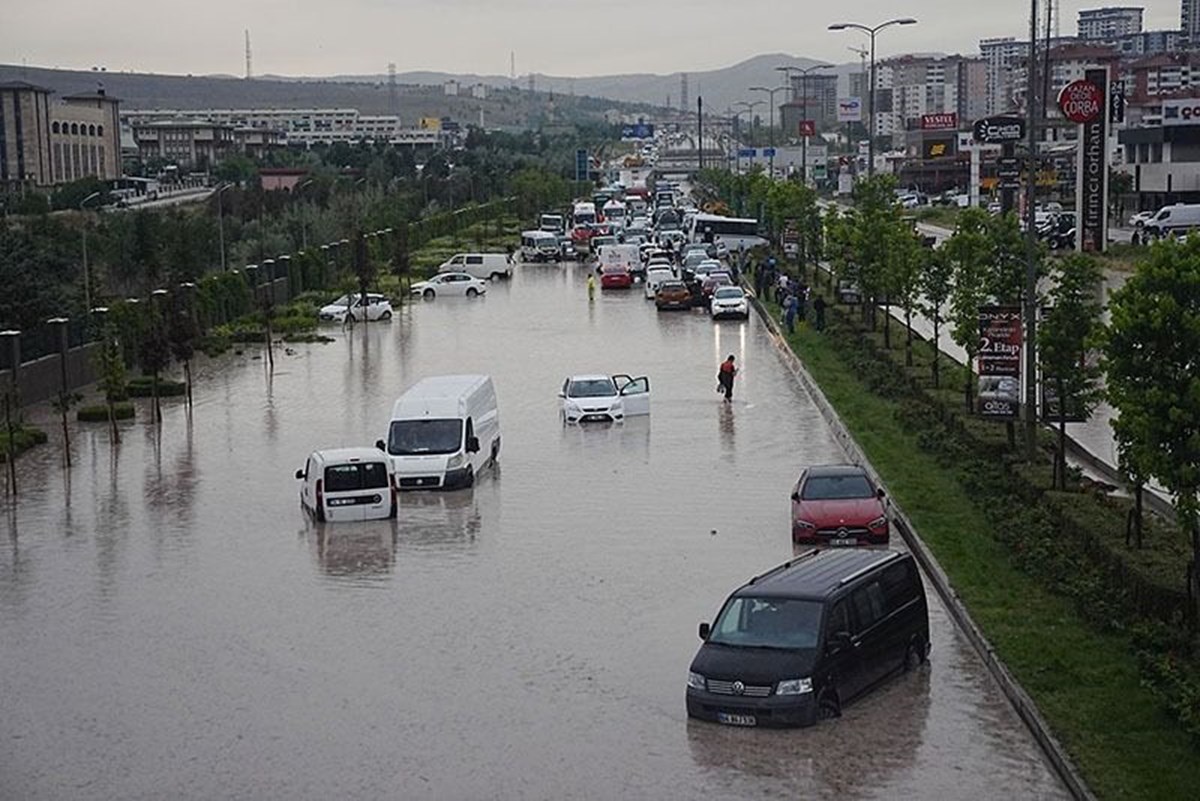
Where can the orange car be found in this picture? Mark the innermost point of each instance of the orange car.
(673, 295)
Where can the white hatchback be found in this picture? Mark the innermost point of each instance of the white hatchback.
(729, 301)
(603, 398)
(450, 284)
(377, 307)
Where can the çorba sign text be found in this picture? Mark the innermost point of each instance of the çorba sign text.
(1081, 101)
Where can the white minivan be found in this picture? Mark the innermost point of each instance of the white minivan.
(444, 431)
(1176, 220)
(345, 484)
(480, 265)
(540, 246)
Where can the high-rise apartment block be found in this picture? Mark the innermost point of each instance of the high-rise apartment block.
(1100, 24)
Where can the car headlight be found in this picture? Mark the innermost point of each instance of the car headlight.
(455, 461)
(805, 524)
(878, 522)
(696, 681)
(794, 687)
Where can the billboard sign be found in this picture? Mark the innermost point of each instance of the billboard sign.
(998, 130)
(808, 128)
(937, 148)
(641, 130)
(940, 122)
(1091, 182)
(1185, 111)
(999, 361)
(581, 164)
(849, 109)
(1081, 101)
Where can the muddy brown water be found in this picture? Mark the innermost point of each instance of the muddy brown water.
(172, 627)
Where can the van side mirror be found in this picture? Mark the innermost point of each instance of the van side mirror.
(796, 497)
(379, 444)
(704, 631)
(472, 444)
(837, 642)
(879, 493)
(300, 474)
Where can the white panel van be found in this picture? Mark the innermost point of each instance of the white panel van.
(480, 265)
(444, 431)
(344, 484)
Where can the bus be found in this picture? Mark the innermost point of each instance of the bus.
(735, 232)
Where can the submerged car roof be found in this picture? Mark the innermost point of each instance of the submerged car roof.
(817, 574)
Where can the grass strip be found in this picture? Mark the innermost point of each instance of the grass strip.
(1085, 683)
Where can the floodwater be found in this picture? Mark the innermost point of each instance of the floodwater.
(171, 626)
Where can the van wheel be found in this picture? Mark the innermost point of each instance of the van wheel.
(429, 293)
(472, 292)
(914, 656)
(828, 706)
(497, 276)
(470, 482)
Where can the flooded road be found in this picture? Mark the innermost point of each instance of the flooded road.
(171, 627)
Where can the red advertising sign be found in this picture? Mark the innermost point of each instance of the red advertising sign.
(808, 128)
(1000, 336)
(940, 122)
(1081, 101)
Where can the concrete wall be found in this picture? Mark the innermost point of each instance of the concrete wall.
(39, 380)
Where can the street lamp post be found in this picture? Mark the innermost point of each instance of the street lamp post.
(871, 31)
(221, 223)
(771, 116)
(87, 281)
(749, 108)
(804, 71)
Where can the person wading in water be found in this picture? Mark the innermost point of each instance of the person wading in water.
(725, 378)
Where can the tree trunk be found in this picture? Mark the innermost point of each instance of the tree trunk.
(967, 386)
(1060, 458)
(937, 362)
(112, 421)
(1194, 574)
(62, 402)
(887, 324)
(270, 347)
(908, 357)
(187, 377)
(10, 458)
(155, 409)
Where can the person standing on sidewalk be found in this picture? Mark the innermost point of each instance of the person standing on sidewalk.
(725, 376)
(790, 304)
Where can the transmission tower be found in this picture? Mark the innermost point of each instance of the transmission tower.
(393, 107)
(683, 92)
(249, 70)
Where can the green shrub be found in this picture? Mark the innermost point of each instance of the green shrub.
(143, 387)
(24, 437)
(99, 413)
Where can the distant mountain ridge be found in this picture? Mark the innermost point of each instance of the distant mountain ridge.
(419, 93)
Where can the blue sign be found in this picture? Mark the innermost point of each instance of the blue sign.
(747, 153)
(641, 130)
(768, 152)
(581, 165)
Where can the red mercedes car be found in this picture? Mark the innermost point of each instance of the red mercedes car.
(838, 505)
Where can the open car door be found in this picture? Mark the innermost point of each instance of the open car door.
(635, 394)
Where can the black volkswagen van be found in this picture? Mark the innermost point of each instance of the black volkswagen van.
(793, 645)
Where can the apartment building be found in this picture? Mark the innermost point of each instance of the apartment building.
(300, 126)
(1099, 24)
(919, 86)
(44, 141)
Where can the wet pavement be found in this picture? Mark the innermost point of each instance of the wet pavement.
(171, 626)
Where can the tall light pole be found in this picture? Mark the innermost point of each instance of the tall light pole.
(87, 281)
(804, 71)
(871, 31)
(749, 107)
(771, 129)
(221, 223)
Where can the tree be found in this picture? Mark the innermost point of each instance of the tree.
(1068, 330)
(1152, 359)
(902, 282)
(873, 231)
(968, 250)
(937, 284)
(154, 354)
(112, 375)
(182, 333)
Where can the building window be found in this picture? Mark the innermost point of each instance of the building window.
(74, 129)
(91, 130)
(103, 167)
(99, 130)
(54, 127)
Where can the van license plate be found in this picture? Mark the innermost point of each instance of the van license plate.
(843, 541)
(736, 720)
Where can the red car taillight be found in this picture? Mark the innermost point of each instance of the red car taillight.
(320, 494)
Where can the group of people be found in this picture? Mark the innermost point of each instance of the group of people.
(790, 293)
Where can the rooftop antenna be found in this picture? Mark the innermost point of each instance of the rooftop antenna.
(249, 71)
(392, 88)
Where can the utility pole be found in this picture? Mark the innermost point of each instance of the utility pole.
(1030, 310)
(700, 131)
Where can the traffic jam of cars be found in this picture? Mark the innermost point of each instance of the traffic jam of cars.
(791, 646)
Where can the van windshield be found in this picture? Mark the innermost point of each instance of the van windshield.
(768, 623)
(350, 477)
(424, 437)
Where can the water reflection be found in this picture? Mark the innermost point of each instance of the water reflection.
(445, 521)
(356, 550)
(797, 760)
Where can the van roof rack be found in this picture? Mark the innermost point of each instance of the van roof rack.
(887, 558)
(807, 554)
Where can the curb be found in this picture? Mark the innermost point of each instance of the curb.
(1021, 703)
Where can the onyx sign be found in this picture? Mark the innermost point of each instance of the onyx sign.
(1000, 337)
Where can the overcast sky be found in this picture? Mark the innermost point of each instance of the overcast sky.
(552, 37)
